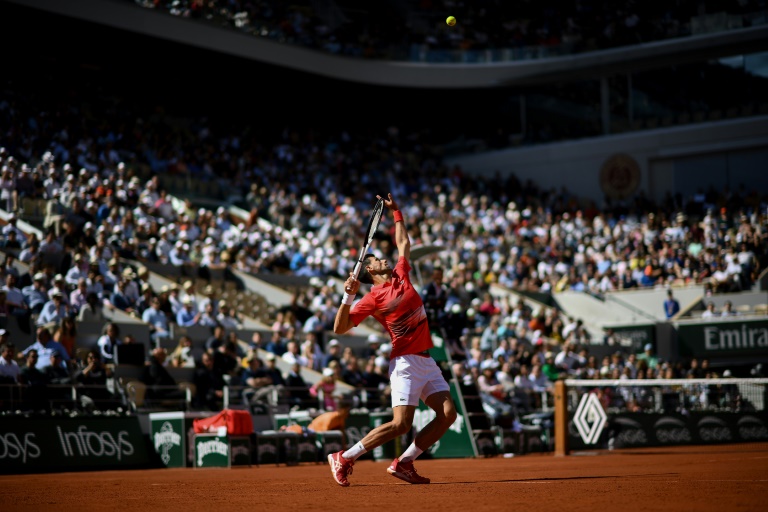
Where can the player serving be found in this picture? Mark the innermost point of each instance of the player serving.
(414, 375)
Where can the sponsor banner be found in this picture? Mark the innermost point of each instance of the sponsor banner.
(50, 444)
(632, 430)
(211, 451)
(240, 450)
(632, 338)
(731, 338)
(171, 435)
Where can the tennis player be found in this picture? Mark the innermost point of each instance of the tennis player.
(414, 375)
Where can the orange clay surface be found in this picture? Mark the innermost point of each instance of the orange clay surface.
(697, 478)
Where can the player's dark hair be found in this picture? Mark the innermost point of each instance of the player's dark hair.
(365, 276)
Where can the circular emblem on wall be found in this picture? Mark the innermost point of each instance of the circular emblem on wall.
(620, 176)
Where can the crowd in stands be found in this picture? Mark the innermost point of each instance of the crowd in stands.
(101, 184)
(385, 32)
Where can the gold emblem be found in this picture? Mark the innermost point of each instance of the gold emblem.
(620, 176)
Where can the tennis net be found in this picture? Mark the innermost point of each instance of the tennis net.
(663, 412)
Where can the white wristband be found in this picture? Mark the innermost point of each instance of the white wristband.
(347, 299)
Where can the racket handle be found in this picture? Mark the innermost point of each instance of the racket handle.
(355, 273)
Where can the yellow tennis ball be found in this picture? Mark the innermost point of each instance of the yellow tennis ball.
(451, 21)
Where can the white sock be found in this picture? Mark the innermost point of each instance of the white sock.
(411, 453)
(354, 452)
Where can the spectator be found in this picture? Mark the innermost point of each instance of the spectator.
(352, 374)
(36, 294)
(108, 342)
(34, 382)
(120, 298)
(57, 378)
(145, 300)
(207, 316)
(549, 369)
(79, 296)
(227, 318)
(312, 352)
(174, 299)
(226, 360)
(44, 345)
(160, 384)
(66, 335)
(78, 271)
(188, 296)
(728, 309)
(671, 305)
(324, 389)
(487, 382)
(209, 298)
(297, 387)
(159, 329)
(710, 311)
(540, 380)
(216, 340)
(187, 317)
(209, 384)
(372, 346)
(293, 355)
(648, 357)
(9, 369)
(275, 345)
(183, 356)
(566, 360)
(333, 353)
(14, 297)
(273, 371)
(93, 310)
(259, 384)
(93, 377)
(524, 389)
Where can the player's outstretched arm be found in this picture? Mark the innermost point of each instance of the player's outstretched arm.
(402, 240)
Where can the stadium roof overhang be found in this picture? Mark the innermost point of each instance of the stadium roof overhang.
(124, 15)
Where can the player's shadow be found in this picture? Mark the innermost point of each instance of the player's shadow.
(551, 479)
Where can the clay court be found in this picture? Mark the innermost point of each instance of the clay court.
(728, 477)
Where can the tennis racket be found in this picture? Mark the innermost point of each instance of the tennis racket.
(373, 225)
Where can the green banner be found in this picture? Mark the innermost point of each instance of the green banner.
(68, 444)
(723, 338)
(457, 441)
(439, 352)
(171, 435)
(212, 451)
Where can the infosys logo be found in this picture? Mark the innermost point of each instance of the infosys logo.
(87, 443)
(18, 448)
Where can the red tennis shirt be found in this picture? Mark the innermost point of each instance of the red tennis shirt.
(399, 308)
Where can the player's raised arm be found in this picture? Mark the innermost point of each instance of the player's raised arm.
(402, 240)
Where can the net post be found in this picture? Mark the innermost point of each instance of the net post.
(561, 419)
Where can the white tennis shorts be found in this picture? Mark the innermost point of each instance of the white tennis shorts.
(412, 377)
